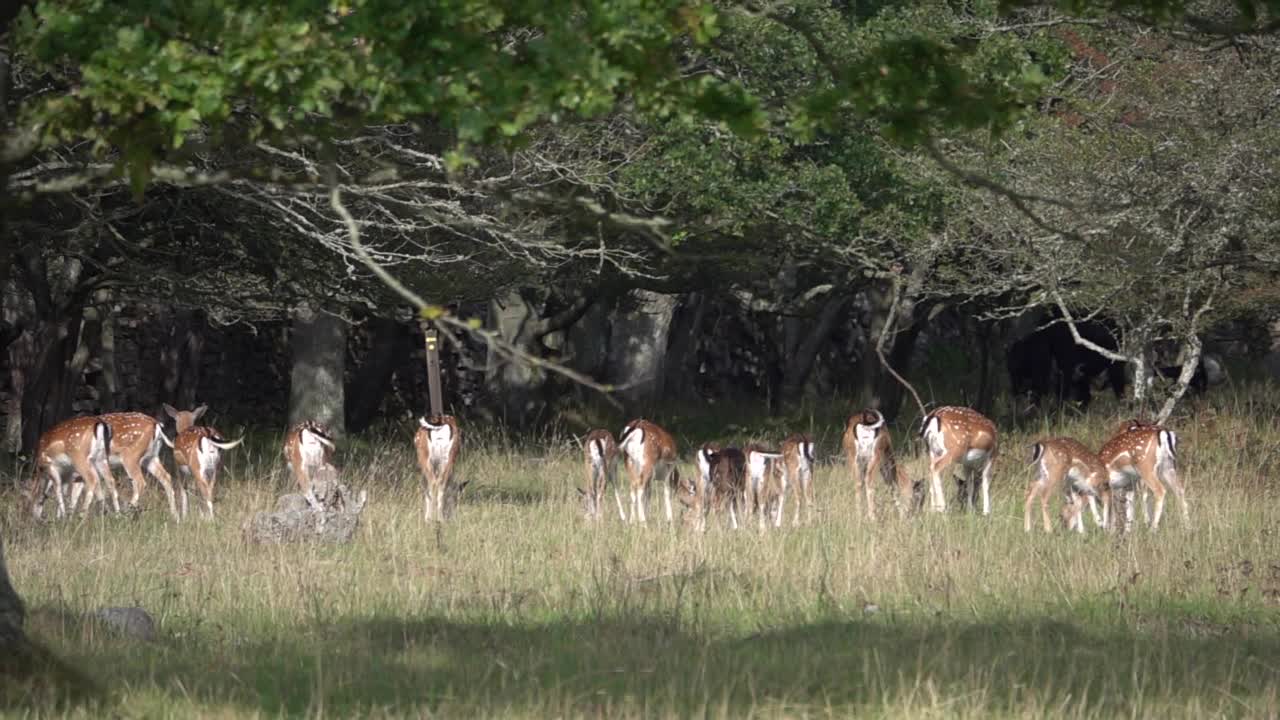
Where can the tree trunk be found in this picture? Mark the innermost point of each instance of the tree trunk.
(879, 299)
(681, 377)
(370, 383)
(985, 332)
(181, 357)
(804, 354)
(638, 345)
(316, 390)
(517, 385)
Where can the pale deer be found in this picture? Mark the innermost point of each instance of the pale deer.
(78, 446)
(1148, 453)
(766, 484)
(1064, 460)
(307, 448)
(136, 442)
(197, 451)
(868, 448)
(649, 453)
(959, 435)
(438, 442)
(601, 451)
(797, 462)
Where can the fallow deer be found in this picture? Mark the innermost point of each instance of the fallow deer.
(650, 455)
(1063, 459)
(78, 446)
(766, 483)
(1148, 453)
(869, 451)
(797, 462)
(308, 447)
(183, 419)
(136, 442)
(438, 442)
(601, 451)
(197, 451)
(959, 435)
(726, 481)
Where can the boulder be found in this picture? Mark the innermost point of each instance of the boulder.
(294, 520)
(133, 622)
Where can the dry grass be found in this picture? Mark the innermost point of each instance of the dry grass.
(520, 609)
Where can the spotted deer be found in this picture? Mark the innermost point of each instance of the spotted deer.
(797, 462)
(438, 442)
(136, 442)
(726, 482)
(1064, 460)
(76, 447)
(766, 484)
(649, 453)
(601, 450)
(197, 451)
(308, 446)
(959, 435)
(183, 419)
(868, 448)
(1146, 453)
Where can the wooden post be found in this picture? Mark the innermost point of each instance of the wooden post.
(433, 370)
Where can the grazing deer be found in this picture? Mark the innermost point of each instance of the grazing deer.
(869, 451)
(959, 435)
(78, 446)
(1059, 459)
(601, 452)
(136, 442)
(197, 451)
(650, 454)
(797, 461)
(438, 442)
(307, 448)
(726, 481)
(766, 483)
(1148, 453)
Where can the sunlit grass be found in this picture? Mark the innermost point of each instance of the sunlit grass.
(520, 608)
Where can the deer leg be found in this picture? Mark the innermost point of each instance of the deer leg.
(986, 486)
(133, 469)
(1157, 488)
(868, 491)
(1032, 491)
(56, 477)
(937, 497)
(666, 494)
(156, 468)
(1172, 480)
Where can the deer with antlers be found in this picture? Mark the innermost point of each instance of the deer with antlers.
(197, 452)
(1146, 453)
(960, 435)
(601, 450)
(868, 449)
(308, 447)
(1064, 460)
(75, 447)
(438, 442)
(649, 453)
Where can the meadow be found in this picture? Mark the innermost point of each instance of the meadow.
(520, 608)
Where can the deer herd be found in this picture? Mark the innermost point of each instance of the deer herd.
(741, 483)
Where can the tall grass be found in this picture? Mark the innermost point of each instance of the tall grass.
(519, 608)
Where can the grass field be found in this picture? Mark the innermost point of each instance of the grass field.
(518, 608)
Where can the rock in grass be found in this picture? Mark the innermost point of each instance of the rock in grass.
(294, 520)
(131, 622)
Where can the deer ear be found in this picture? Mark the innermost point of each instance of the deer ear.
(170, 411)
(195, 414)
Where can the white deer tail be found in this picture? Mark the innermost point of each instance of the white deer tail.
(1168, 444)
(226, 445)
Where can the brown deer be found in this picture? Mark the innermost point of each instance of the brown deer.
(197, 451)
(136, 442)
(75, 447)
(766, 484)
(601, 452)
(649, 453)
(183, 419)
(868, 448)
(797, 461)
(959, 435)
(1148, 453)
(726, 481)
(438, 442)
(1064, 459)
(308, 446)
